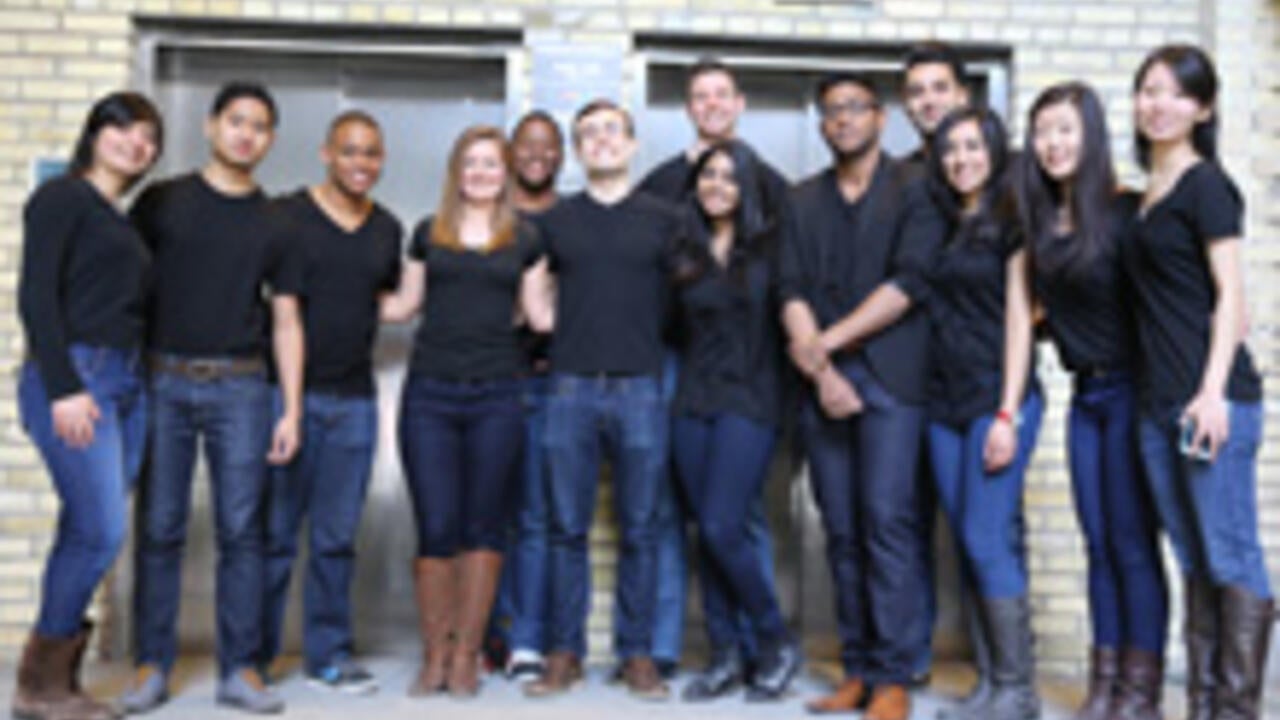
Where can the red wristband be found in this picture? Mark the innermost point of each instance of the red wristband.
(1006, 416)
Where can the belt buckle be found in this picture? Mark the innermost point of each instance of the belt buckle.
(202, 370)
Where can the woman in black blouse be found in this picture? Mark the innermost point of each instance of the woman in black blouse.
(461, 418)
(727, 409)
(1200, 396)
(81, 299)
(1076, 224)
(984, 405)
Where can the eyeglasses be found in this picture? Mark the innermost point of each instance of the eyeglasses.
(854, 108)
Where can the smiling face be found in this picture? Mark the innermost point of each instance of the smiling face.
(484, 172)
(604, 142)
(354, 155)
(537, 155)
(1058, 140)
(241, 134)
(1163, 111)
(126, 150)
(966, 160)
(714, 105)
(852, 119)
(931, 92)
(717, 188)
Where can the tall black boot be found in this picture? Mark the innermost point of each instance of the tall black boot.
(979, 639)
(1200, 633)
(1245, 635)
(1013, 691)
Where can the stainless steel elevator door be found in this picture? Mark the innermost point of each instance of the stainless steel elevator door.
(422, 104)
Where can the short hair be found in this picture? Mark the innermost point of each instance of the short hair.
(237, 89)
(538, 116)
(351, 116)
(707, 65)
(602, 105)
(843, 77)
(933, 52)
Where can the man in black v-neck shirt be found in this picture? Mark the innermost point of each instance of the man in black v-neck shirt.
(855, 247)
(351, 247)
(217, 245)
(608, 251)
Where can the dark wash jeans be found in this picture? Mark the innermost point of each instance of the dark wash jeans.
(863, 471)
(724, 461)
(1210, 509)
(230, 418)
(589, 418)
(326, 483)
(526, 589)
(92, 483)
(461, 445)
(1128, 600)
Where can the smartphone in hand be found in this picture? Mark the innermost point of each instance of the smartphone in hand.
(1186, 442)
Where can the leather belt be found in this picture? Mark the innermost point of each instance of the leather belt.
(207, 369)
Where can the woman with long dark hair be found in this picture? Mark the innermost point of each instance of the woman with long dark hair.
(1200, 396)
(461, 417)
(81, 298)
(727, 410)
(1076, 223)
(984, 405)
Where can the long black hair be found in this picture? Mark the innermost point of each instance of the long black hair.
(751, 228)
(1196, 76)
(989, 225)
(1040, 197)
(119, 110)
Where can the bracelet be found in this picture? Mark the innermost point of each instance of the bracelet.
(1006, 416)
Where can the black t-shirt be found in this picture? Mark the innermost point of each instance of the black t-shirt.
(1088, 310)
(468, 329)
(1168, 265)
(732, 342)
(967, 311)
(213, 255)
(83, 280)
(345, 272)
(611, 264)
(536, 345)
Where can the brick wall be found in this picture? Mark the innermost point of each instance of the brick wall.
(56, 55)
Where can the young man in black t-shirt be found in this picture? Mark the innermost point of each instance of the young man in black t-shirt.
(351, 246)
(608, 250)
(216, 243)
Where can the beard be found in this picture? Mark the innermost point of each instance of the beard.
(855, 153)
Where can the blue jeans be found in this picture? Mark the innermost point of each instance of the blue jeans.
(588, 417)
(986, 508)
(525, 587)
(92, 483)
(724, 462)
(1128, 600)
(326, 482)
(232, 415)
(461, 445)
(863, 471)
(1210, 509)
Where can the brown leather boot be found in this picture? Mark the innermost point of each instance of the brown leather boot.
(1245, 636)
(1200, 632)
(562, 674)
(1103, 674)
(479, 571)
(435, 581)
(1138, 688)
(44, 688)
(847, 698)
(889, 702)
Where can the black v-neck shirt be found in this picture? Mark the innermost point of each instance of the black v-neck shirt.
(344, 273)
(1168, 265)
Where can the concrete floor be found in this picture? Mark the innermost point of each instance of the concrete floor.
(194, 686)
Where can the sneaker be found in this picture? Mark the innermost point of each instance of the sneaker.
(244, 690)
(148, 691)
(525, 665)
(345, 676)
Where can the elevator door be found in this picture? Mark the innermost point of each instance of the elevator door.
(422, 103)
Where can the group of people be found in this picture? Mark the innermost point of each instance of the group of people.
(889, 306)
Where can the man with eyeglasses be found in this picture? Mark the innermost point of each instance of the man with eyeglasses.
(855, 248)
(608, 250)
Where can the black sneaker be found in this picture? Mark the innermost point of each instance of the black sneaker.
(344, 676)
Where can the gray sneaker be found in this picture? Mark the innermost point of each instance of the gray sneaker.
(148, 691)
(344, 675)
(244, 690)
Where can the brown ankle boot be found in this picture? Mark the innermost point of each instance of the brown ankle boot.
(479, 571)
(846, 698)
(1103, 674)
(889, 702)
(44, 688)
(1245, 636)
(1139, 686)
(1200, 632)
(435, 581)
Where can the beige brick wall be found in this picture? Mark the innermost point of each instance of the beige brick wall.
(56, 55)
